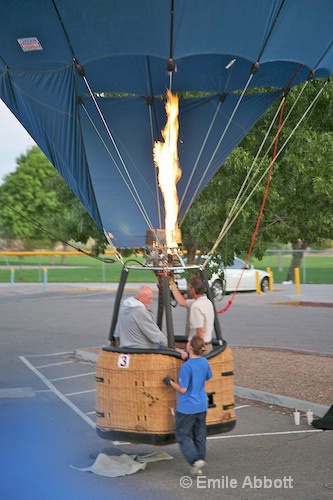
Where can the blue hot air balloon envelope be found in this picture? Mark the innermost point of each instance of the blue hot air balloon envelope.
(86, 79)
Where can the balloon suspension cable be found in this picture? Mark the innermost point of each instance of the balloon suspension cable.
(171, 62)
(255, 68)
(109, 237)
(144, 180)
(200, 153)
(131, 188)
(240, 196)
(243, 191)
(223, 96)
(270, 170)
(246, 185)
(326, 51)
(283, 124)
(218, 144)
(81, 73)
(271, 29)
(278, 154)
(261, 209)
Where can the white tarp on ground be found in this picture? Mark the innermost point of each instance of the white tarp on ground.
(123, 465)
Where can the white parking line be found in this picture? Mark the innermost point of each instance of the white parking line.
(55, 364)
(72, 376)
(81, 392)
(242, 406)
(58, 393)
(264, 434)
(49, 354)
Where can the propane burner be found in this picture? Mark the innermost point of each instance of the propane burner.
(157, 238)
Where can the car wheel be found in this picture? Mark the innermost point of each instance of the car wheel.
(217, 289)
(265, 285)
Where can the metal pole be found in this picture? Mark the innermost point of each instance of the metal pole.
(297, 281)
(280, 265)
(39, 269)
(45, 279)
(12, 277)
(269, 271)
(160, 306)
(103, 270)
(258, 287)
(168, 315)
(122, 282)
(217, 326)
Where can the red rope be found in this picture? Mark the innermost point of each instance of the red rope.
(261, 208)
(266, 190)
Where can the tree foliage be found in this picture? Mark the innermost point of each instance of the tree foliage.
(38, 208)
(300, 200)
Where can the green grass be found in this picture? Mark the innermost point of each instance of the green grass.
(92, 270)
(317, 269)
(314, 268)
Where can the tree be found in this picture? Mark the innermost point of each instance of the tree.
(301, 210)
(37, 191)
(300, 200)
(208, 213)
(74, 222)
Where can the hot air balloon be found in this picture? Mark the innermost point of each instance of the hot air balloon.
(88, 82)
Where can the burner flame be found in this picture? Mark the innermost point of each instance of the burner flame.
(166, 160)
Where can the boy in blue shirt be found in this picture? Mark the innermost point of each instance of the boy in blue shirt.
(192, 405)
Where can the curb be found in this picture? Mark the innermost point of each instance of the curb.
(303, 303)
(92, 357)
(17, 392)
(279, 400)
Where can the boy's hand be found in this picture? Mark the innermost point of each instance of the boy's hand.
(167, 380)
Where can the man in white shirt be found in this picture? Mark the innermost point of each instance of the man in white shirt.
(201, 311)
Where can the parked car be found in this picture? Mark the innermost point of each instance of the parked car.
(227, 280)
(232, 275)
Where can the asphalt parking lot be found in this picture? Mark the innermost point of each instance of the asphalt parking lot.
(47, 400)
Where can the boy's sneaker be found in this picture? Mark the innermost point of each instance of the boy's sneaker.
(197, 468)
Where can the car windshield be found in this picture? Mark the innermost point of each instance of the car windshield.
(238, 264)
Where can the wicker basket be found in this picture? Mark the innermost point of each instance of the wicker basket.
(133, 403)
